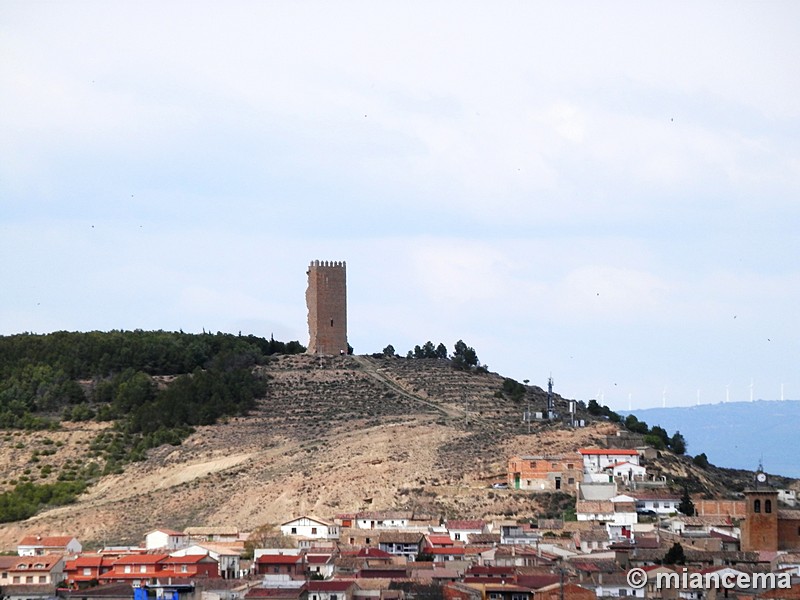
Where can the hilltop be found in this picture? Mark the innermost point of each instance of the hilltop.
(330, 435)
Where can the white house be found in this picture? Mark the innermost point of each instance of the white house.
(660, 504)
(310, 528)
(627, 471)
(460, 530)
(614, 585)
(595, 460)
(37, 545)
(383, 520)
(165, 539)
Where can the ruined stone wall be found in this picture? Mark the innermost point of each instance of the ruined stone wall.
(326, 298)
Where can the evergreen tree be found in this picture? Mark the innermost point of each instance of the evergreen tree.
(686, 506)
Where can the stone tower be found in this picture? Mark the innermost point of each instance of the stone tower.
(326, 298)
(760, 526)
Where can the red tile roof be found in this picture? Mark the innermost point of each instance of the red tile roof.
(279, 559)
(140, 559)
(332, 585)
(57, 541)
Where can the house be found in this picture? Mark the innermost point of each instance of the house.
(189, 567)
(213, 534)
(626, 471)
(310, 528)
(136, 569)
(227, 557)
(383, 520)
(595, 460)
(165, 539)
(289, 565)
(331, 590)
(322, 564)
(522, 534)
(501, 591)
(401, 543)
(460, 530)
(37, 545)
(46, 571)
(545, 473)
(564, 591)
(595, 510)
(653, 502)
(85, 570)
(278, 593)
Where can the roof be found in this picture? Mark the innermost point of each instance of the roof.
(399, 537)
(331, 585)
(259, 592)
(56, 541)
(167, 531)
(188, 559)
(440, 539)
(446, 551)
(594, 506)
(140, 559)
(33, 563)
(211, 531)
(310, 518)
(279, 559)
(789, 514)
(465, 525)
(319, 559)
(607, 452)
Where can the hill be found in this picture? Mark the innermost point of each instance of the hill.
(737, 434)
(330, 435)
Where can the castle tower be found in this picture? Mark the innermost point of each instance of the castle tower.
(326, 298)
(760, 527)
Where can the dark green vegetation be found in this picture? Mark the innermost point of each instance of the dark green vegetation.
(464, 357)
(656, 437)
(154, 386)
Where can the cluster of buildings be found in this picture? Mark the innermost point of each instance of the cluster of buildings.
(399, 555)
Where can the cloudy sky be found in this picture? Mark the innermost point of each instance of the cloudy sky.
(604, 192)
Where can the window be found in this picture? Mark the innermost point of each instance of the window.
(184, 569)
(127, 568)
(553, 465)
(767, 506)
(294, 530)
(757, 506)
(331, 322)
(4, 575)
(655, 505)
(143, 569)
(42, 578)
(623, 592)
(570, 466)
(29, 579)
(334, 596)
(313, 531)
(87, 571)
(457, 536)
(571, 481)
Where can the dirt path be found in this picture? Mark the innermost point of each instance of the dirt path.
(371, 369)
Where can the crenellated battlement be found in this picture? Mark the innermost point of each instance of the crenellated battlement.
(328, 263)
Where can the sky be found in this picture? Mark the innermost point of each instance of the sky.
(605, 193)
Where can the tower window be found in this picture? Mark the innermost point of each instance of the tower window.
(767, 506)
(331, 322)
(756, 506)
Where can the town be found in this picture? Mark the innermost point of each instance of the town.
(622, 521)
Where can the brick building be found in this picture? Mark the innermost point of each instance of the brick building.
(765, 527)
(326, 298)
(546, 473)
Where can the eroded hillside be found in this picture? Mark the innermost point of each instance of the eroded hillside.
(333, 435)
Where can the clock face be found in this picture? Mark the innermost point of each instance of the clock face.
(761, 477)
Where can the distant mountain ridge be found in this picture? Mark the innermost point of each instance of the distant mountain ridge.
(737, 434)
